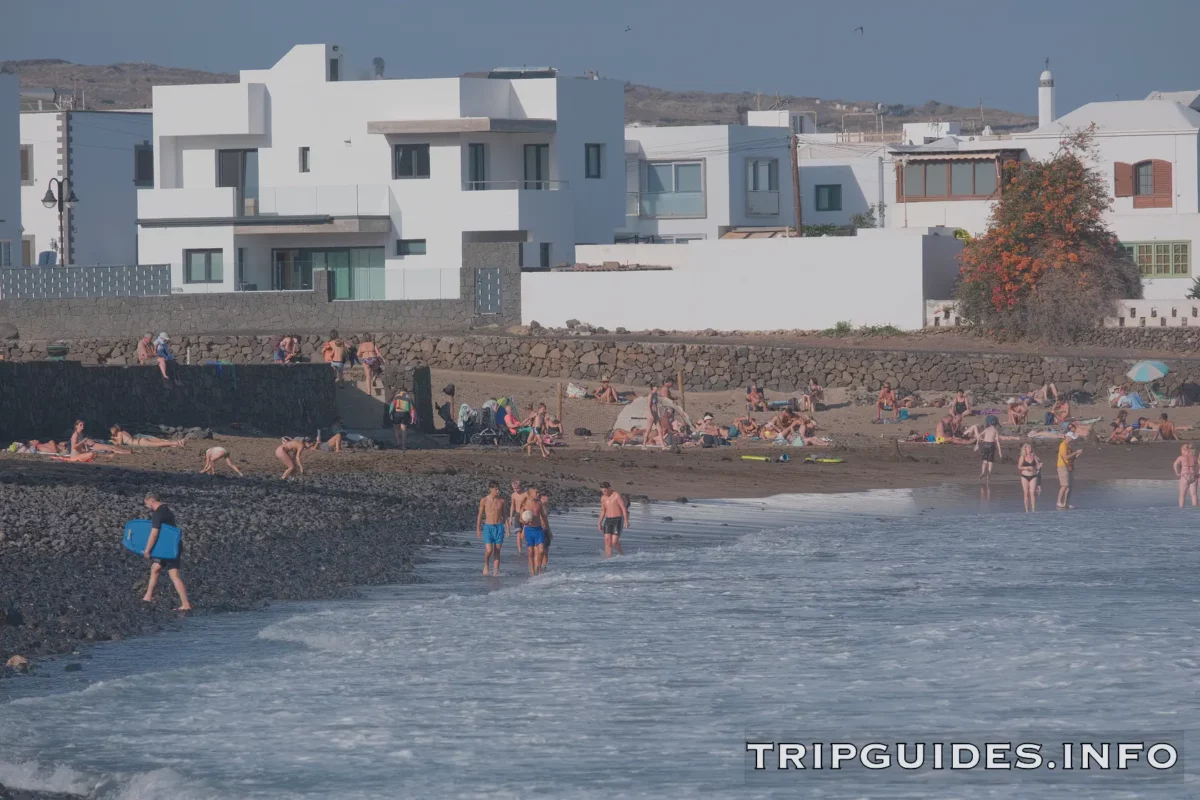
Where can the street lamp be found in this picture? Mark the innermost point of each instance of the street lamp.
(60, 193)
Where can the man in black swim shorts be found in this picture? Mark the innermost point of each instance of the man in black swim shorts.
(161, 515)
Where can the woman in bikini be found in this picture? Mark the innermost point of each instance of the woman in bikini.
(119, 436)
(80, 444)
(1185, 470)
(289, 452)
(1030, 468)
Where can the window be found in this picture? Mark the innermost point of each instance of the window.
(203, 266)
(1161, 259)
(5, 253)
(334, 69)
(537, 166)
(1143, 178)
(1147, 182)
(410, 247)
(143, 164)
(762, 187)
(26, 164)
(593, 157)
(238, 169)
(410, 161)
(304, 159)
(544, 254)
(28, 250)
(673, 189)
(476, 166)
(829, 197)
(947, 180)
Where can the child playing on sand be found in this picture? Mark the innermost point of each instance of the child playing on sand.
(214, 454)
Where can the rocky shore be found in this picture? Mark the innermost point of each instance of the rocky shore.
(68, 581)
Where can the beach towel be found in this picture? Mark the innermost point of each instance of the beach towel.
(575, 392)
(1135, 401)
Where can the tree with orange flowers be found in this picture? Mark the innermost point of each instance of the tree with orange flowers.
(1048, 267)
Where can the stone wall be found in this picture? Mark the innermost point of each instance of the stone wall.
(43, 399)
(704, 366)
(270, 312)
(58, 283)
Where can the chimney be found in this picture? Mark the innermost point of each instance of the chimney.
(1045, 97)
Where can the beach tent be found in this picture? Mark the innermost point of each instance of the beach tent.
(635, 415)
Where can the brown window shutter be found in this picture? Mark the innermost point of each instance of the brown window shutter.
(900, 182)
(1123, 179)
(1164, 195)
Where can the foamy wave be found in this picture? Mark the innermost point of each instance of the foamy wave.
(33, 777)
(60, 779)
(308, 631)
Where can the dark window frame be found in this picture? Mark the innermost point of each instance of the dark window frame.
(29, 178)
(947, 195)
(208, 253)
(833, 191)
(305, 159)
(419, 150)
(406, 244)
(589, 149)
(544, 254)
(138, 151)
(1148, 166)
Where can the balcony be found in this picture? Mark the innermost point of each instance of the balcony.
(355, 208)
(218, 109)
(670, 205)
(163, 204)
(529, 186)
(762, 203)
(354, 200)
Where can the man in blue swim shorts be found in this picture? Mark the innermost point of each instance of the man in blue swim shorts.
(534, 523)
(490, 526)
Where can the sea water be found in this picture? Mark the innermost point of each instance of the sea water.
(900, 613)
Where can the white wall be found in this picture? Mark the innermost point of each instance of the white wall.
(100, 150)
(656, 255)
(10, 167)
(863, 184)
(879, 277)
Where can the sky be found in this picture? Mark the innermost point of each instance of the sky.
(910, 51)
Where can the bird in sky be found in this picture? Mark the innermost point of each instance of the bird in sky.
(628, 28)
(859, 30)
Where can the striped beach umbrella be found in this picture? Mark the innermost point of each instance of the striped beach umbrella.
(1146, 371)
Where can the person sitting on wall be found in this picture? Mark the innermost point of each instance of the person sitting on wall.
(372, 359)
(145, 349)
(166, 359)
(756, 399)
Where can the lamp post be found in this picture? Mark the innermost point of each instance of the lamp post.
(59, 192)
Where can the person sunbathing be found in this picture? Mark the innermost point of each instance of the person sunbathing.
(962, 404)
(1018, 413)
(886, 402)
(77, 458)
(1061, 410)
(756, 400)
(118, 436)
(50, 448)
(1165, 430)
(709, 427)
(606, 393)
(1121, 433)
(785, 423)
(746, 426)
(619, 437)
(554, 427)
(1046, 394)
(82, 444)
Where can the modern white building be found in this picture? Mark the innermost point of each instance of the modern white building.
(839, 180)
(1148, 149)
(102, 157)
(381, 182)
(697, 182)
(10, 176)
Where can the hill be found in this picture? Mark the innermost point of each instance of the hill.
(128, 86)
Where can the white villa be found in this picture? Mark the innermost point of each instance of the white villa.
(382, 182)
(1147, 148)
(106, 156)
(695, 182)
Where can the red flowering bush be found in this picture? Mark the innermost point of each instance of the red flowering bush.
(1048, 267)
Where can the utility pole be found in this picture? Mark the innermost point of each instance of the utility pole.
(796, 183)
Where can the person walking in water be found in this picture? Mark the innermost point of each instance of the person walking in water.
(1029, 466)
(1185, 470)
(161, 515)
(490, 525)
(516, 502)
(534, 523)
(1066, 468)
(614, 518)
(989, 448)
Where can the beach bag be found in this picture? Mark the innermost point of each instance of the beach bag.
(582, 432)
(575, 392)
(708, 440)
(1049, 418)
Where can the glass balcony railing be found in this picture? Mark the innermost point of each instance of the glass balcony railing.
(659, 205)
(633, 205)
(524, 185)
(762, 203)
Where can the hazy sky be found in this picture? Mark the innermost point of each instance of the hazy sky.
(956, 51)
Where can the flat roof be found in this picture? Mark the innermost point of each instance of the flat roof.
(463, 125)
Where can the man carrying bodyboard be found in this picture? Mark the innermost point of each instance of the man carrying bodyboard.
(161, 515)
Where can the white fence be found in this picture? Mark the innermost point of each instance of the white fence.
(1130, 314)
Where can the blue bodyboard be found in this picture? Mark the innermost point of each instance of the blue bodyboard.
(137, 534)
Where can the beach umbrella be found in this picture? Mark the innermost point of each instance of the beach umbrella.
(1146, 371)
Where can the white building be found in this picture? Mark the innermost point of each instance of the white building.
(699, 181)
(380, 181)
(1148, 149)
(841, 179)
(10, 178)
(103, 156)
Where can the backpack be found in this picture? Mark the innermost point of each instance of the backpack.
(582, 432)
